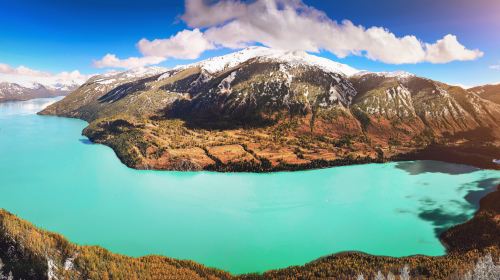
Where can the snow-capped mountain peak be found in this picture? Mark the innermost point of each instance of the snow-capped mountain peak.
(220, 63)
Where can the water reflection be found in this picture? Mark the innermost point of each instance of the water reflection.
(85, 141)
(456, 211)
(430, 166)
(29, 107)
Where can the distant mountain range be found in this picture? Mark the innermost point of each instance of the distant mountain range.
(261, 110)
(17, 92)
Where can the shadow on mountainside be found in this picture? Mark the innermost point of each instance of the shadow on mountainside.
(198, 116)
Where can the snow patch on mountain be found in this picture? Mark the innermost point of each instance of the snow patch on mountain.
(225, 84)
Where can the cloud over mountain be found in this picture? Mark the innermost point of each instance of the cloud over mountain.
(291, 25)
(112, 61)
(24, 75)
(187, 44)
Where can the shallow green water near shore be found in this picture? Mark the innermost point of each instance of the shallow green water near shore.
(52, 176)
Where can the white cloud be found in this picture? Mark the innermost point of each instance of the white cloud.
(198, 14)
(293, 25)
(286, 24)
(27, 76)
(111, 61)
(449, 49)
(495, 66)
(21, 70)
(186, 44)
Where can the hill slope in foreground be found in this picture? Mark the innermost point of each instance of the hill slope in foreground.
(265, 110)
(30, 253)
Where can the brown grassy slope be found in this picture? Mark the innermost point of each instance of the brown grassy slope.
(169, 144)
(26, 251)
(490, 92)
(167, 125)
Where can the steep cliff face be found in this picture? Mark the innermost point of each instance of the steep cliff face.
(262, 110)
(417, 106)
(259, 91)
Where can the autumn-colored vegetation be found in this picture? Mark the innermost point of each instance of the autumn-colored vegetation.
(266, 116)
(31, 253)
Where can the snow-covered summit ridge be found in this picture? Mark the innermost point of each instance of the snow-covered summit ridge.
(131, 74)
(42, 83)
(393, 74)
(220, 63)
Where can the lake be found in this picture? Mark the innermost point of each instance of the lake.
(55, 178)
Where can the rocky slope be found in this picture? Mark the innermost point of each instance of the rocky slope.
(490, 92)
(30, 253)
(263, 110)
(16, 92)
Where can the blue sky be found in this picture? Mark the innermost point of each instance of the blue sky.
(57, 36)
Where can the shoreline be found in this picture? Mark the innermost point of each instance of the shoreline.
(464, 244)
(474, 154)
(474, 157)
(477, 153)
(28, 99)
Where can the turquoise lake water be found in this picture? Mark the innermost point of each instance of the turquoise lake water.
(53, 177)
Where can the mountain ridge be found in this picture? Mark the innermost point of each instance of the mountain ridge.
(265, 110)
(17, 92)
(220, 63)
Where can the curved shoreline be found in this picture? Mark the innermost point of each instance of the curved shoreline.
(465, 243)
(154, 143)
(459, 254)
(474, 156)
